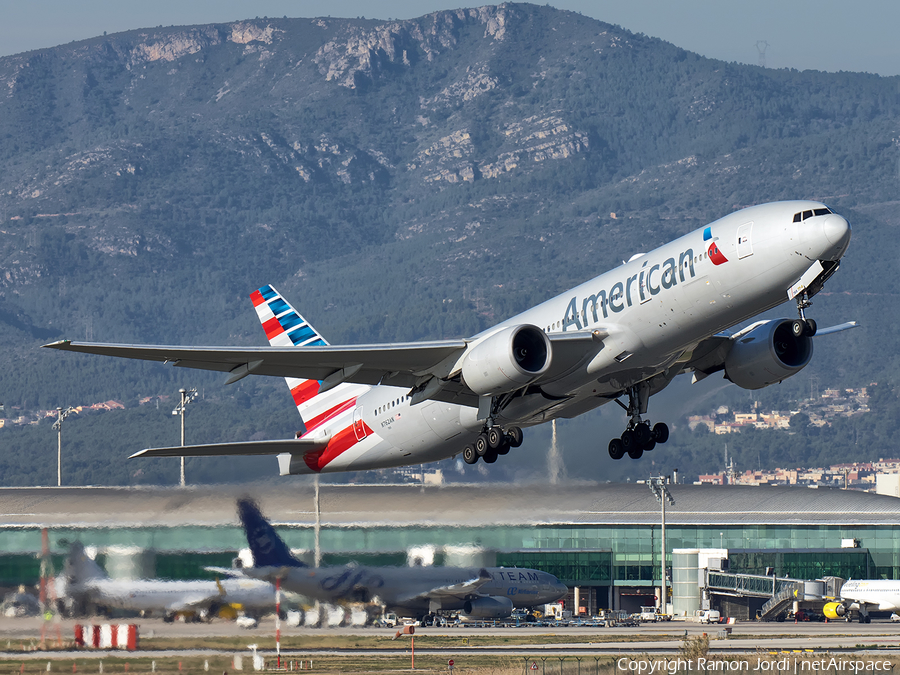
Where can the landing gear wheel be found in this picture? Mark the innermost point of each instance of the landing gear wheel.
(636, 452)
(649, 445)
(616, 451)
(798, 328)
(811, 327)
(660, 432)
(490, 456)
(642, 434)
(469, 455)
(504, 447)
(629, 442)
(515, 436)
(494, 437)
(481, 445)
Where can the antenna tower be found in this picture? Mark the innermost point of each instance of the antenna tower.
(761, 46)
(729, 468)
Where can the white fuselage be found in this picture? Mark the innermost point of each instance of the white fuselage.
(169, 597)
(882, 594)
(656, 308)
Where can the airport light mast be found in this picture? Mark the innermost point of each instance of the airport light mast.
(61, 415)
(658, 488)
(187, 395)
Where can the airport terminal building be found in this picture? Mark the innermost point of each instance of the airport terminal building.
(604, 539)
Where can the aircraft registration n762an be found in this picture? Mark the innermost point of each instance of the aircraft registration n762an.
(624, 334)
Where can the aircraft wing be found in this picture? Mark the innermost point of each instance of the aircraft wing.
(460, 590)
(311, 363)
(294, 446)
(400, 364)
(192, 602)
(230, 572)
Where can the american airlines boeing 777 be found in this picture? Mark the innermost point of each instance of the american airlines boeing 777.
(623, 335)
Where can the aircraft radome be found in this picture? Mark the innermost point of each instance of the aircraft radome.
(624, 334)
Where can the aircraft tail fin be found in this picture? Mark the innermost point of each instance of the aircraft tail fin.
(285, 327)
(283, 324)
(79, 568)
(268, 549)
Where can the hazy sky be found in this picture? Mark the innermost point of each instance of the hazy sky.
(858, 35)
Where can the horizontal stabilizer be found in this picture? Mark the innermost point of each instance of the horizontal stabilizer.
(293, 446)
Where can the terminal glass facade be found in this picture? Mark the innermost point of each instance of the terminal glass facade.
(582, 554)
(588, 568)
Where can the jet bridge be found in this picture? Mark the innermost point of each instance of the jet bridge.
(781, 592)
(748, 585)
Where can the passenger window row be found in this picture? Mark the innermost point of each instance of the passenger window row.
(803, 215)
(384, 408)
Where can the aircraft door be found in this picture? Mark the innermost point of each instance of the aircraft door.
(359, 427)
(744, 241)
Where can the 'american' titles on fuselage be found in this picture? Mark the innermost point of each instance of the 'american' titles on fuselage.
(669, 275)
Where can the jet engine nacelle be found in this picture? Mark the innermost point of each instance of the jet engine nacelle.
(767, 354)
(834, 610)
(489, 607)
(507, 360)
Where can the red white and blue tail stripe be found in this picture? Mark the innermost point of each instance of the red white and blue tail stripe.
(285, 327)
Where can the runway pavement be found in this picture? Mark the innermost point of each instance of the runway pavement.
(662, 638)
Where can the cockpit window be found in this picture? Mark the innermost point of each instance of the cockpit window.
(803, 215)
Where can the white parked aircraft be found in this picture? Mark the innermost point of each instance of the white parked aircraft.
(626, 333)
(865, 595)
(84, 585)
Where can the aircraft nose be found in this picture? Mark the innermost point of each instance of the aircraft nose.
(560, 588)
(837, 230)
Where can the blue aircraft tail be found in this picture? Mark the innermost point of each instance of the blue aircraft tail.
(268, 549)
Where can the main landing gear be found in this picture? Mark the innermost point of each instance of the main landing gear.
(803, 326)
(639, 437)
(491, 443)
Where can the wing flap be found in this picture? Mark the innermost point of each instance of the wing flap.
(293, 446)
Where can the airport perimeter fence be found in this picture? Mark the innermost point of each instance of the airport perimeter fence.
(760, 663)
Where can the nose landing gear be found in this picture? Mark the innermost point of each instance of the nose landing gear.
(803, 326)
(638, 437)
(491, 443)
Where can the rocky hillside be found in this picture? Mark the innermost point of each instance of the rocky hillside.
(399, 180)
